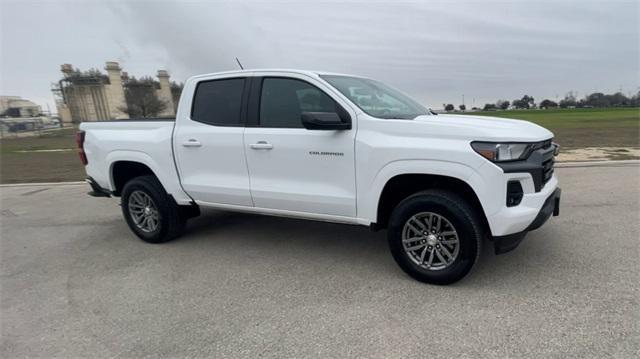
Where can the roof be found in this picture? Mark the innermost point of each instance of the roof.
(293, 71)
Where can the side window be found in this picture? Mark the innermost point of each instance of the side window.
(283, 101)
(218, 102)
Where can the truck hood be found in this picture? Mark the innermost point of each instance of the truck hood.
(483, 128)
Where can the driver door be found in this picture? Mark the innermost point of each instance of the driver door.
(293, 168)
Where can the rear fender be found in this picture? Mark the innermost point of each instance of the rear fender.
(167, 176)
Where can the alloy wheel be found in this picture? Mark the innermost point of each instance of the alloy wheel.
(430, 241)
(143, 211)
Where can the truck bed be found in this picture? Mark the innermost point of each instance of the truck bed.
(148, 141)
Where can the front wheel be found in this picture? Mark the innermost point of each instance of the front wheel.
(150, 212)
(435, 236)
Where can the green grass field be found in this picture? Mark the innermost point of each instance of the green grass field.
(577, 128)
(18, 165)
(573, 128)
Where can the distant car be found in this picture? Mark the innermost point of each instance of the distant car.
(333, 148)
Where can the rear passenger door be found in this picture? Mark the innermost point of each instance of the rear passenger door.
(208, 144)
(293, 168)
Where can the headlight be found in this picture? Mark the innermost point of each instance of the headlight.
(500, 152)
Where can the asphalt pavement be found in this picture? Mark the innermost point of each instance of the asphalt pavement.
(74, 282)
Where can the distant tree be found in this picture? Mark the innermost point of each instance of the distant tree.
(569, 100)
(176, 91)
(619, 99)
(489, 107)
(141, 98)
(635, 99)
(502, 104)
(524, 103)
(449, 107)
(529, 100)
(462, 107)
(546, 103)
(596, 99)
(599, 99)
(518, 104)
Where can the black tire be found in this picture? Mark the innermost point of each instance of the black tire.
(171, 222)
(454, 209)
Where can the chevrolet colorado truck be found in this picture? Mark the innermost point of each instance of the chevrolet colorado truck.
(335, 148)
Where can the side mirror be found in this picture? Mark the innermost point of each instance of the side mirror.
(325, 121)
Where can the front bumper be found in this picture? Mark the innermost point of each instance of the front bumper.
(551, 206)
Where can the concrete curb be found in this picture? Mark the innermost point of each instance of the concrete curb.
(621, 163)
(35, 184)
(558, 165)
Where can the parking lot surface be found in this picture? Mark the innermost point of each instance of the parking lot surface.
(76, 283)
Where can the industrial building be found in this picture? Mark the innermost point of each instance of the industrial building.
(21, 115)
(16, 106)
(94, 96)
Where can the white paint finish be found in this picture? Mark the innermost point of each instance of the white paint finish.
(271, 171)
(146, 142)
(508, 220)
(288, 177)
(484, 128)
(216, 170)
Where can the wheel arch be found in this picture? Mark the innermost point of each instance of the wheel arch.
(401, 186)
(407, 177)
(122, 171)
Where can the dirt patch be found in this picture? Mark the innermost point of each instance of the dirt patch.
(599, 154)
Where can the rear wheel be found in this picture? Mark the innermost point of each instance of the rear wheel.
(435, 236)
(150, 212)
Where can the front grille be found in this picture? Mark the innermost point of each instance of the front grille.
(548, 161)
(539, 164)
(548, 170)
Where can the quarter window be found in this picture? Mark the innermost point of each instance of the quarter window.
(218, 102)
(284, 100)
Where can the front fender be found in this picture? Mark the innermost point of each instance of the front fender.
(368, 202)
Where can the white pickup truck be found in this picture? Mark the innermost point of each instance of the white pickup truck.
(333, 148)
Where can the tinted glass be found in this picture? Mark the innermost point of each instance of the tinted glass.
(376, 98)
(284, 100)
(218, 102)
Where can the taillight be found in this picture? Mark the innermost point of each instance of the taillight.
(80, 142)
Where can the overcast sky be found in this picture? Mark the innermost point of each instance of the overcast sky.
(433, 50)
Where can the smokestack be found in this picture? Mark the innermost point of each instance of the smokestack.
(115, 91)
(67, 69)
(164, 93)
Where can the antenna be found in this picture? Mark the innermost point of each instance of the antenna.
(239, 64)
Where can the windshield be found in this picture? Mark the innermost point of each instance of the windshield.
(376, 98)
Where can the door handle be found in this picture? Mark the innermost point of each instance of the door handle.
(192, 143)
(261, 145)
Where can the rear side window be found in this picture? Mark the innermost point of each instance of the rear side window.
(218, 102)
(284, 100)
